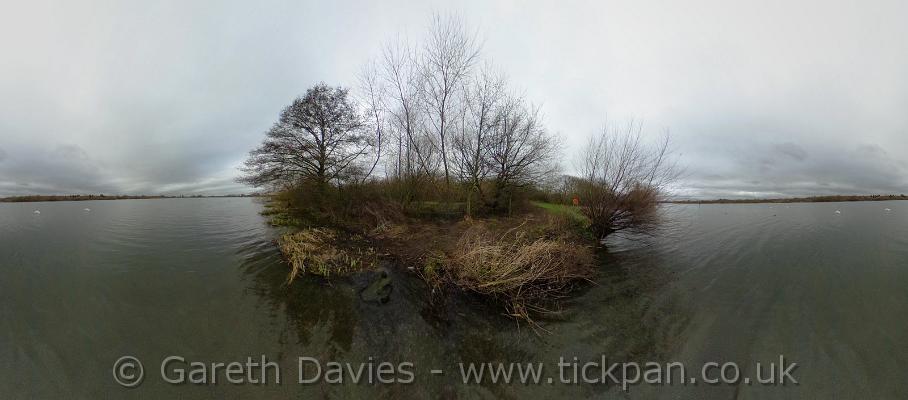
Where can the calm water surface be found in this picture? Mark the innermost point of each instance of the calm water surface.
(200, 278)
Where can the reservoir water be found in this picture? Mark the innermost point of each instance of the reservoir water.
(201, 279)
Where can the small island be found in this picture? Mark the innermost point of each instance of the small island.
(438, 166)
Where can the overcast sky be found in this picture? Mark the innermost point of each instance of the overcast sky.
(762, 98)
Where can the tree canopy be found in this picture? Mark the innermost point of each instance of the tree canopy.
(320, 137)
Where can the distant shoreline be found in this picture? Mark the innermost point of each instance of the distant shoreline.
(813, 199)
(87, 197)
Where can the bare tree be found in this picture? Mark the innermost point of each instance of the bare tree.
(442, 116)
(447, 59)
(403, 79)
(373, 95)
(318, 138)
(479, 117)
(623, 179)
(521, 151)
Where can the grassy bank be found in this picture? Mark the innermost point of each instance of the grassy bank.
(572, 213)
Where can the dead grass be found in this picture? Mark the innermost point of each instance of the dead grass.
(527, 272)
(318, 251)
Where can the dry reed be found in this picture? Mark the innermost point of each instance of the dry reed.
(525, 272)
(316, 251)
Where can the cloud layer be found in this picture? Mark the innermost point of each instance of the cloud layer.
(762, 98)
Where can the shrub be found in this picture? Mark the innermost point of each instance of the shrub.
(634, 210)
(622, 180)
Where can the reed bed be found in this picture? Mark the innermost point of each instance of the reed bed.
(318, 251)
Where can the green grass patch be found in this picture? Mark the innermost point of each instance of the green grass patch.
(570, 212)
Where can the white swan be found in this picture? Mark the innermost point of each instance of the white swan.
(87, 209)
(838, 212)
(888, 210)
(37, 212)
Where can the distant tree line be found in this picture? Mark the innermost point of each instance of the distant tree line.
(811, 199)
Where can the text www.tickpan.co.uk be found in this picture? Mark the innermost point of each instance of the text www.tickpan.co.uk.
(627, 374)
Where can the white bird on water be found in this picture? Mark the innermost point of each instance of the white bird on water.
(37, 212)
(87, 209)
(888, 210)
(838, 212)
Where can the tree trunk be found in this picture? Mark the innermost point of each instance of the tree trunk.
(469, 202)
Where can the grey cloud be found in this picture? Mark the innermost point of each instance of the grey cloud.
(71, 153)
(141, 106)
(65, 169)
(863, 170)
(791, 150)
(872, 151)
